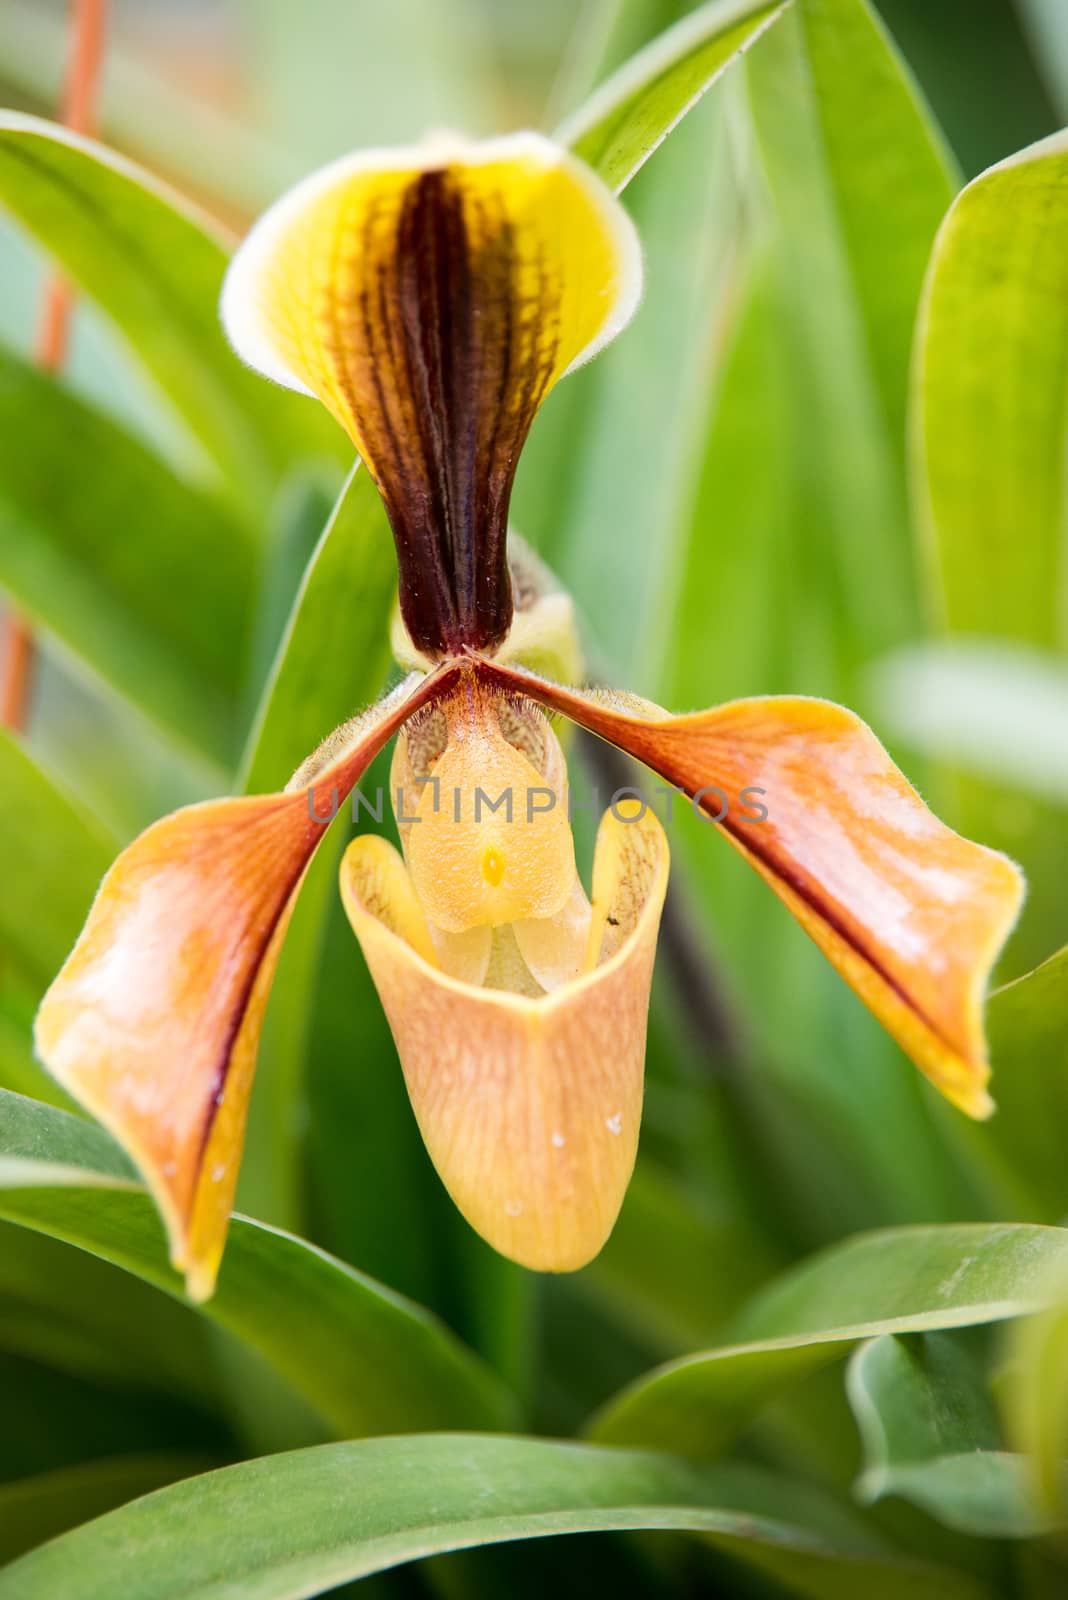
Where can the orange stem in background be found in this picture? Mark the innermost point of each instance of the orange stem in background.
(15, 669)
(88, 22)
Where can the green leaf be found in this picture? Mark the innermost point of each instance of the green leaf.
(747, 483)
(80, 1316)
(997, 710)
(38, 1508)
(18, 1068)
(930, 1436)
(985, 1493)
(858, 182)
(828, 1141)
(367, 1360)
(360, 1120)
(896, 1281)
(300, 511)
(1027, 1022)
(629, 115)
(154, 266)
(52, 857)
(991, 394)
(140, 576)
(273, 1185)
(882, 167)
(595, 529)
(297, 1524)
(334, 655)
(36, 1139)
(797, 566)
(1020, 1149)
(122, 766)
(53, 1420)
(991, 391)
(1035, 1400)
(645, 1273)
(589, 508)
(332, 661)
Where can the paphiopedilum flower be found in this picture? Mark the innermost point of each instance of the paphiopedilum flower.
(430, 297)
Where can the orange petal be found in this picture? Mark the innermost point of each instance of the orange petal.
(911, 914)
(529, 1107)
(154, 1020)
(431, 297)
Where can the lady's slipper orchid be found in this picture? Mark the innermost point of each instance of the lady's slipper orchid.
(430, 298)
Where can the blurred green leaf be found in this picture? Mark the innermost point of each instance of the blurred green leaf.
(332, 661)
(154, 265)
(273, 1181)
(930, 1436)
(21, 987)
(987, 446)
(609, 518)
(18, 1068)
(139, 575)
(122, 765)
(38, 1139)
(999, 710)
(1035, 1399)
(830, 1099)
(1027, 1023)
(985, 1493)
(670, 1269)
(334, 656)
(38, 1508)
(373, 1195)
(592, 508)
(299, 513)
(797, 566)
(1042, 22)
(858, 182)
(367, 1360)
(148, 109)
(81, 1316)
(897, 1281)
(878, 143)
(54, 1419)
(991, 390)
(52, 857)
(296, 1524)
(374, 75)
(987, 82)
(633, 112)
(731, 584)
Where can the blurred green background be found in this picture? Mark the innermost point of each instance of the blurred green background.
(726, 494)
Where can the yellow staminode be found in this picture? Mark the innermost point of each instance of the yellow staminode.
(490, 842)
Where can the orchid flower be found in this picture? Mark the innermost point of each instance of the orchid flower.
(430, 297)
